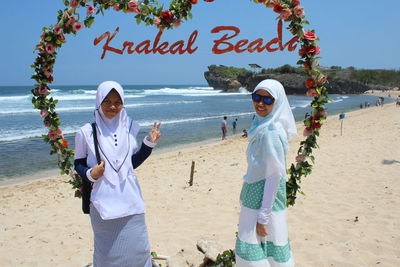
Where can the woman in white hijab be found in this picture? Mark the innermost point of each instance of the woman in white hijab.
(262, 239)
(116, 203)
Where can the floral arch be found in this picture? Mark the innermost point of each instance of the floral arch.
(151, 13)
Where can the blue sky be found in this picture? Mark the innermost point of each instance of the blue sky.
(359, 33)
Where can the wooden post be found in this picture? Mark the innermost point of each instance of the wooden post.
(191, 174)
(341, 127)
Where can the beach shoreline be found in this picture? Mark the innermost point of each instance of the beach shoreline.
(350, 200)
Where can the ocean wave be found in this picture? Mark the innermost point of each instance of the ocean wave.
(177, 121)
(15, 98)
(174, 91)
(77, 109)
(15, 135)
(83, 91)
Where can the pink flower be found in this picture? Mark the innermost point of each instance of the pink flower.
(133, 7)
(77, 26)
(156, 21)
(58, 30)
(61, 37)
(47, 72)
(116, 7)
(42, 90)
(312, 92)
(71, 21)
(53, 135)
(322, 114)
(58, 131)
(177, 23)
(285, 14)
(299, 11)
(271, 3)
(310, 36)
(133, 4)
(317, 50)
(300, 158)
(50, 48)
(90, 10)
(74, 3)
(308, 131)
(43, 113)
(322, 79)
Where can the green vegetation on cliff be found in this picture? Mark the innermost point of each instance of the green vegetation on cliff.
(227, 72)
(381, 77)
(365, 76)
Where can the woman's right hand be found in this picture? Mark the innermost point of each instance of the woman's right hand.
(97, 170)
(261, 229)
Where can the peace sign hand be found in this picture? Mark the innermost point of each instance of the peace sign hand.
(154, 133)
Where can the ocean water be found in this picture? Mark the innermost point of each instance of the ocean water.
(189, 113)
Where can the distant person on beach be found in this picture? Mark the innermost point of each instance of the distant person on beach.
(398, 101)
(262, 238)
(224, 128)
(234, 124)
(116, 205)
(244, 133)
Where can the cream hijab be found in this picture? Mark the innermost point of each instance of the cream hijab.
(281, 115)
(117, 158)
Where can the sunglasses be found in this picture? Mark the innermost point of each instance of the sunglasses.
(267, 100)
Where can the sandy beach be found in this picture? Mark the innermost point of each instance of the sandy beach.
(349, 216)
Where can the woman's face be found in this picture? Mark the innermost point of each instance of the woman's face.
(260, 108)
(112, 104)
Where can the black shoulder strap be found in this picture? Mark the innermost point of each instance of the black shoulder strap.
(96, 144)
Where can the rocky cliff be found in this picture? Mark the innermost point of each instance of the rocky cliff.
(294, 82)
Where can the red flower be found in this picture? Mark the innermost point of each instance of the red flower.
(167, 16)
(315, 124)
(208, 0)
(64, 143)
(310, 36)
(311, 83)
(306, 65)
(312, 50)
(261, 1)
(74, 4)
(295, 3)
(51, 79)
(193, 2)
(278, 8)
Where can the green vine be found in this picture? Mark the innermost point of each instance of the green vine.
(151, 13)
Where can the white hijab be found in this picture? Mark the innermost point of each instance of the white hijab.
(117, 159)
(281, 114)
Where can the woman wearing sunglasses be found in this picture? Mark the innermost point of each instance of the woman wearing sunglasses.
(263, 237)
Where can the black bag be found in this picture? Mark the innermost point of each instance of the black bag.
(86, 185)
